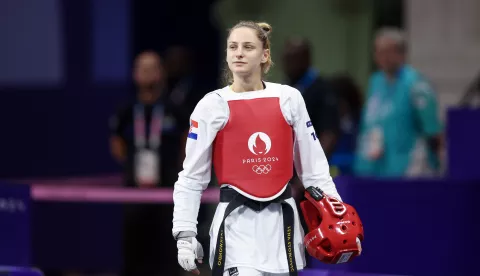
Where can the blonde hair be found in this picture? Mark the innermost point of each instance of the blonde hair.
(263, 31)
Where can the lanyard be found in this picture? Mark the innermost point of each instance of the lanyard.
(140, 132)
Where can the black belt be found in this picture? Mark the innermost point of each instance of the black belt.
(236, 200)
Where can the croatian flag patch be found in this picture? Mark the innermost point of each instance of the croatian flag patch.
(193, 128)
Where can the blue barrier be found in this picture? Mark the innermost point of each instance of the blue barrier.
(15, 246)
(19, 271)
(463, 136)
(415, 227)
(91, 233)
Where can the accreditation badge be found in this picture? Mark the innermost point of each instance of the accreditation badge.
(147, 164)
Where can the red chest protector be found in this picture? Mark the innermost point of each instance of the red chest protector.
(254, 151)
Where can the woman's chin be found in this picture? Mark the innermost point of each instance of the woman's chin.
(241, 71)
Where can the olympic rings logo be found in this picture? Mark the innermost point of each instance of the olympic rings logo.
(262, 169)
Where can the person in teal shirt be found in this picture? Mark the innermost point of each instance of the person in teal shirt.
(400, 132)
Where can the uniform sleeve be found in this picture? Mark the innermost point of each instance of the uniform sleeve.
(309, 158)
(206, 120)
(426, 107)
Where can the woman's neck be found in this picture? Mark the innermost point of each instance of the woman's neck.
(247, 84)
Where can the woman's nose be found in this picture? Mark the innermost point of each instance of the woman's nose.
(239, 52)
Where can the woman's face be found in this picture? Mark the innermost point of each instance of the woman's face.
(245, 53)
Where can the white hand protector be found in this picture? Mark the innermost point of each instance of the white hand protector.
(189, 250)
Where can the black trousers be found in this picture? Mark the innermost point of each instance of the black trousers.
(148, 246)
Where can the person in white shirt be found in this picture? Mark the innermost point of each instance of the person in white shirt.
(254, 132)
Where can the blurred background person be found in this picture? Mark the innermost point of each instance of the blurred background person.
(146, 139)
(400, 132)
(321, 100)
(350, 107)
(180, 88)
(183, 88)
(148, 128)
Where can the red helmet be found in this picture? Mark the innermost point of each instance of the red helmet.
(333, 228)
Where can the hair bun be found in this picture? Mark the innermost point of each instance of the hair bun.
(265, 27)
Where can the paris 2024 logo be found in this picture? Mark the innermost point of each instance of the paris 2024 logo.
(260, 144)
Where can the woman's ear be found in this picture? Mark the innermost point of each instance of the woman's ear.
(266, 55)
